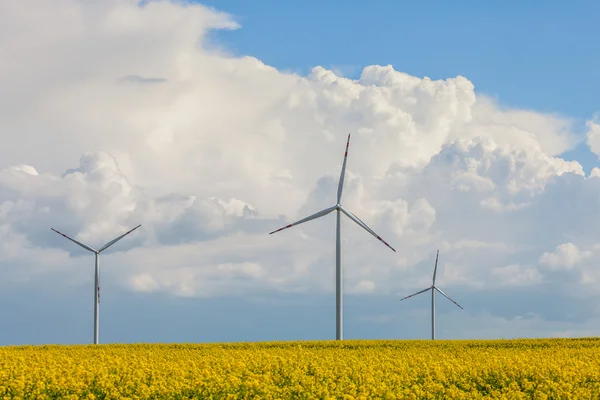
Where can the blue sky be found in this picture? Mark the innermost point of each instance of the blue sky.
(115, 116)
(538, 55)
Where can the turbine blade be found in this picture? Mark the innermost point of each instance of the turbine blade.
(107, 245)
(343, 173)
(75, 241)
(435, 269)
(309, 218)
(448, 297)
(414, 294)
(365, 227)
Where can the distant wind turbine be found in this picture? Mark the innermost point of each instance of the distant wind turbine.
(97, 274)
(433, 288)
(338, 258)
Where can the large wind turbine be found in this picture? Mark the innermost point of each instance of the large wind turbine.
(97, 274)
(338, 257)
(433, 288)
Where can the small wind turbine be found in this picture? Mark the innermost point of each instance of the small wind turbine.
(433, 288)
(97, 274)
(338, 258)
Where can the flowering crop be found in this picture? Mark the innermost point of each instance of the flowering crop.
(497, 369)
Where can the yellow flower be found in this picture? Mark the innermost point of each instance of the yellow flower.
(503, 369)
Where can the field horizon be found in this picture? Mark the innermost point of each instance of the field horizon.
(291, 342)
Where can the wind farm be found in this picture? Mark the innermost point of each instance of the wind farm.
(339, 271)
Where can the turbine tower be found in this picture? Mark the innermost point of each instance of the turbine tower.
(97, 274)
(433, 288)
(338, 257)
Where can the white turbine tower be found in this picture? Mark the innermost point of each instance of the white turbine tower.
(433, 288)
(338, 261)
(97, 274)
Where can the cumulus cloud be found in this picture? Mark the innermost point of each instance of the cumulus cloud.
(96, 201)
(593, 135)
(566, 256)
(211, 151)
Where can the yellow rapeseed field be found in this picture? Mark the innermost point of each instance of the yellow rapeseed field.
(498, 369)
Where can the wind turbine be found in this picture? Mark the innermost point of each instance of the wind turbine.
(433, 288)
(338, 257)
(97, 274)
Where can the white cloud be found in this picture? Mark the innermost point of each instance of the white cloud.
(244, 270)
(593, 135)
(516, 275)
(210, 152)
(365, 286)
(143, 282)
(566, 256)
(595, 173)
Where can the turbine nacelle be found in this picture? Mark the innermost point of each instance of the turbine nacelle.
(88, 248)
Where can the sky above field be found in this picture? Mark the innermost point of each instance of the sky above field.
(474, 131)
